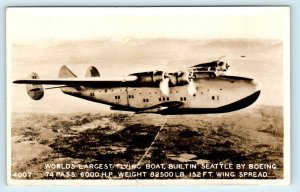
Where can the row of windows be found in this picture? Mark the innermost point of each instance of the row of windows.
(163, 99)
(160, 99)
(197, 88)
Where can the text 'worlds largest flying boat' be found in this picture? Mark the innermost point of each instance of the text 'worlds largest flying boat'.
(202, 88)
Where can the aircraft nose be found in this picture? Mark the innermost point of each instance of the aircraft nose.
(256, 84)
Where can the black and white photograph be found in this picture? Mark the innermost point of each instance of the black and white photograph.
(148, 95)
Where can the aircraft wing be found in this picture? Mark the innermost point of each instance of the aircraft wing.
(206, 67)
(89, 82)
(162, 107)
(220, 64)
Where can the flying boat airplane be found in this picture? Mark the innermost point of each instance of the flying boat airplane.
(202, 88)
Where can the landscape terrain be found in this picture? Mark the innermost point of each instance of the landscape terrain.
(251, 136)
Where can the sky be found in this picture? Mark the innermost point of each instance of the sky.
(28, 25)
(40, 30)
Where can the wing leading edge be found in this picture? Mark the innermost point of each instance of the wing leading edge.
(68, 78)
(89, 82)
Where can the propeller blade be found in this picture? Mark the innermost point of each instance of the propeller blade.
(164, 86)
(191, 87)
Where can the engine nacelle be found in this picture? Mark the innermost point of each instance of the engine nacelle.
(155, 78)
(180, 78)
(152, 78)
(35, 91)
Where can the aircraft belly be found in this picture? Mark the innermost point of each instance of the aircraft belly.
(226, 108)
(215, 93)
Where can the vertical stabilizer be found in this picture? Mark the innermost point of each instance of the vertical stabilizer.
(35, 91)
(92, 72)
(64, 72)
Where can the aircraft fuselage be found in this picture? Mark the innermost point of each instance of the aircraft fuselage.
(212, 95)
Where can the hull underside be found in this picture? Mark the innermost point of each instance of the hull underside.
(227, 108)
(245, 102)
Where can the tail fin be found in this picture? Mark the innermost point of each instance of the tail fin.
(92, 72)
(64, 72)
(35, 91)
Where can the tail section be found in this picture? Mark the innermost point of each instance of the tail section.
(64, 72)
(92, 72)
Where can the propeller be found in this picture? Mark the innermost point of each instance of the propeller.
(191, 86)
(188, 77)
(223, 64)
(164, 84)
